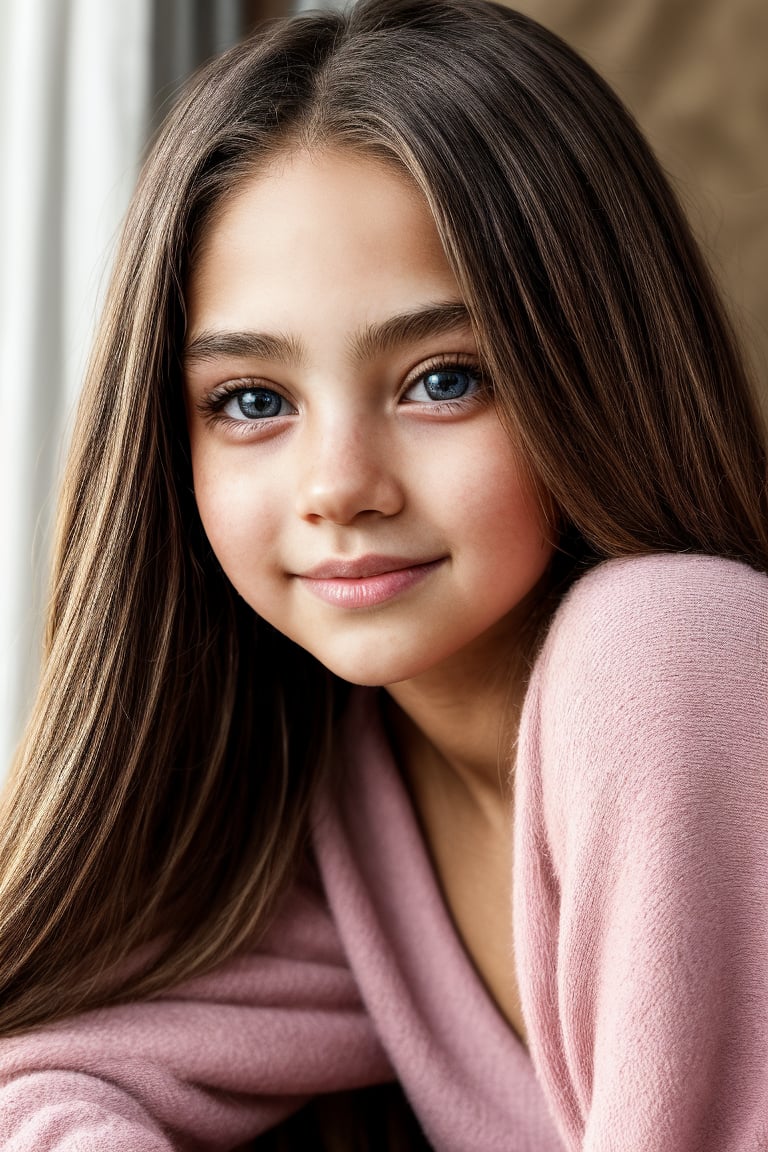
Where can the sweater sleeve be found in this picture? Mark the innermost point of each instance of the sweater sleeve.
(641, 890)
(208, 1066)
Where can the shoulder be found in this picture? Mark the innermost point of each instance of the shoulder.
(650, 696)
(651, 655)
(672, 612)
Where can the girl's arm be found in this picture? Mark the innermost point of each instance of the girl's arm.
(641, 898)
(207, 1066)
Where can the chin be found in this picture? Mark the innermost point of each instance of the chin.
(379, 672)
(365, 676)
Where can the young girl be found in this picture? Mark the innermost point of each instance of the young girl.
(403, 712)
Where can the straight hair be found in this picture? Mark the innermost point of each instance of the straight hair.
(158, 805)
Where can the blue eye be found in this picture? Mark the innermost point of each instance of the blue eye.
(255, 404)
(446, 383)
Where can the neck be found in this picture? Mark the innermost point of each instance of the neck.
(454, 730)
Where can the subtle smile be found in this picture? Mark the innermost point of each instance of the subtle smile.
(367, 581)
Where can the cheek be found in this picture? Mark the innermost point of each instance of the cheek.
(498, 504)
(239, 521)
(516, 510)
(513, 541)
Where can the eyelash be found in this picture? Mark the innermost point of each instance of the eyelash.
(466, 363)
(211, 405)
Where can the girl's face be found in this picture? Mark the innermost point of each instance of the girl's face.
(350, 469)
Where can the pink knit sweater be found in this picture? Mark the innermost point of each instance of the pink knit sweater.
(640, 921)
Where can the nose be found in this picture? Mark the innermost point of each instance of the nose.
(347, 470)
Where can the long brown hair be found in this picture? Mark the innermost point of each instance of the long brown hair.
(160, 794)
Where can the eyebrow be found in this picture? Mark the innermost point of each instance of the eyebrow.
(407, 328)
(213, 345)
(370, 341)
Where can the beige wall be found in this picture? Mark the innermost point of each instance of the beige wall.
(695, 74)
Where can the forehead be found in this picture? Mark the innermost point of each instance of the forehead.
(319, 173)
(307, 211)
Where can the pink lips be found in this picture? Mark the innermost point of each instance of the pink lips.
(366, 581)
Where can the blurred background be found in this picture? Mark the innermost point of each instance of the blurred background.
(83, 84)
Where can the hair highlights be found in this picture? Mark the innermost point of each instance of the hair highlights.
(160, 796)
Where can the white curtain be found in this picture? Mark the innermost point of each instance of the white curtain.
(74, 108)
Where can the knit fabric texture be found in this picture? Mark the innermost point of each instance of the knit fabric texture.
(639, 914)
